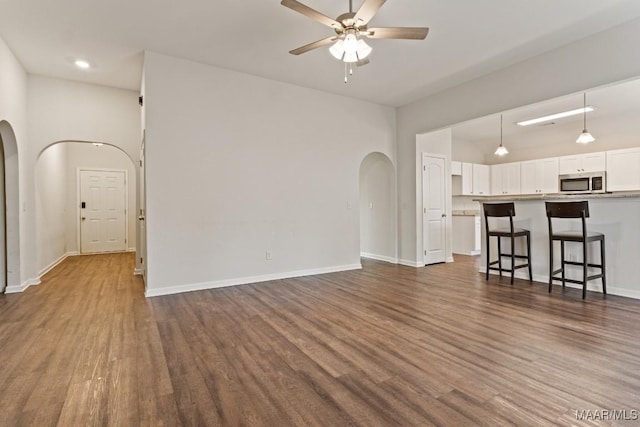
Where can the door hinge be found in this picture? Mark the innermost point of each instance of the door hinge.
(140, 163)
(141, 260)
(425, 252)
(424, 168)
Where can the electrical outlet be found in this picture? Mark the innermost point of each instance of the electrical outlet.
(267, 255)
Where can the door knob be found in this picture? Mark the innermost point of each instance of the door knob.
(83, 218)
(444, 215)
(141, 218)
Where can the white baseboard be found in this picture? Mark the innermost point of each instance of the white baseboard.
(130, 250)
(409, 263)
(138, 272)
(594, 287)
(52, 265)
(246, 280)
(450, 259)
(379, 257)
(22, 287)
(37, 280)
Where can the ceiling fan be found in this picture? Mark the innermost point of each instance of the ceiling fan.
(348, 42)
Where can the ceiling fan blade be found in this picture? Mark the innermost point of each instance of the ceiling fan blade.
(411, 33)
(311, 13)
(314, 45)
(362, 62)
(367, 11)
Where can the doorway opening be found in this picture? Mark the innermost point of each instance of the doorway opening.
(378, 208)
(9, 211)
(59, 197)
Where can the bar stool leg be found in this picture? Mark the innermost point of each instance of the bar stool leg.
(488, 256)
(500, 256)
(562, 261)
(529, 255)
(513, 260)
(604, 267)
(585, 260)
(550, 263)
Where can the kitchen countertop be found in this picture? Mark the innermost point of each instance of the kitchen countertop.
(557, 196)
(466, 212)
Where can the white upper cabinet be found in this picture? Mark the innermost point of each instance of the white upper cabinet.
(592, 162)
(505, 179)
(481, 180)
(475, 179)
(456, 168)
(539, 176)
(623, 170)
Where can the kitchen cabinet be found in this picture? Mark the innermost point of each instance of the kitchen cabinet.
(539, 176)
(623, 170)
(475, 180)
(591, 162)
(456, 168)
(505, 179)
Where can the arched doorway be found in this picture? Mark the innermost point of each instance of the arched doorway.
(378, 208)
(9, 210)
(58, 174)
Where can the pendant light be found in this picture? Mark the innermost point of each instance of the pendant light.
(585, 137)
(501, 150)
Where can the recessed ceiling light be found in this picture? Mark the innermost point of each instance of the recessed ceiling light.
(550, 117)
(81, 63)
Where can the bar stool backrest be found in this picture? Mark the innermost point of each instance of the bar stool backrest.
(498, 210)
(568, 210)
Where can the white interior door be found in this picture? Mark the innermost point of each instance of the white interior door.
(142, 223)
(434, 209)
(103, 205)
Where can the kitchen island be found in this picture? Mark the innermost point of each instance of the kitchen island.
(616, 215)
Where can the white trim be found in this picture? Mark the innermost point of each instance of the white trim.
(130, 249)
(138, 271)
(49, 267)
(245, 280)
(73, 253)
(544, 279)
(450, 259)
(379, 257)
(23, 287)
(79, 171)
(409, 263)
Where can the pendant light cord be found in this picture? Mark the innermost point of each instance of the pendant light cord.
(501, 130)
(584, 110)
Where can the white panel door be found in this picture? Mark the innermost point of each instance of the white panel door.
(102, 211)
(434, 209)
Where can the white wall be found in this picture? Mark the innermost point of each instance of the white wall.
(51, 212)
(378, 208)
(239, 165)
(13, 120)
(603, 58)
(87, 156)
(465, 151)
(61, 110)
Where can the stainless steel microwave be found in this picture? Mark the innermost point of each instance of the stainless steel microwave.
(591, 182)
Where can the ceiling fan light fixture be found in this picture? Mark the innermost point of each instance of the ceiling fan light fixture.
(363, 49)
(337, 50)
(350, 57)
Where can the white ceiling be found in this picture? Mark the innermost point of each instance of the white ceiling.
(468, 38)
(616, 110)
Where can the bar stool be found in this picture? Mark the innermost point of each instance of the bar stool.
(574, 210)
(504, 210)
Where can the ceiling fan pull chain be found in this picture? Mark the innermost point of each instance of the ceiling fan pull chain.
(345, 73)
(350, 69)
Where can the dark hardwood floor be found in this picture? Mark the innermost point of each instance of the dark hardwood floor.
(388, 345)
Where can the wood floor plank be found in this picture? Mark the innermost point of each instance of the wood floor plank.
(385, 345)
